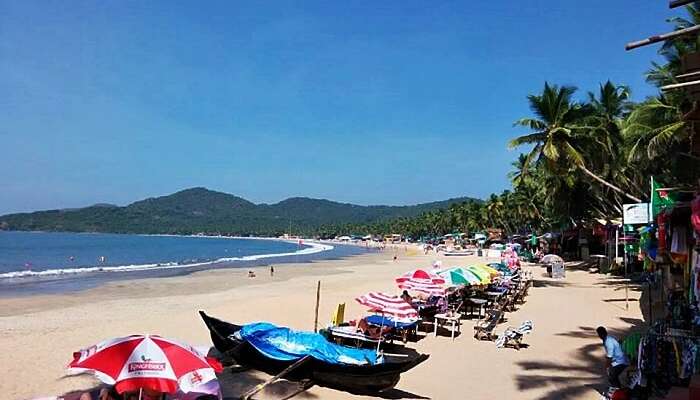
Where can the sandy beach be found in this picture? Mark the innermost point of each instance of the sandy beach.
(564, 359)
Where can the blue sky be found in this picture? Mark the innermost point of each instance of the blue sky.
(365, 102)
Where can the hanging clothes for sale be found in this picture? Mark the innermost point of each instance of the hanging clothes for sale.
(679, 245)
(661, 221)
(695, 214)
(667, 360)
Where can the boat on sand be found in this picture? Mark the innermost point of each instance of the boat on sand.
(273, 349)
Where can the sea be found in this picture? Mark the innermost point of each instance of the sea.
(54, 262)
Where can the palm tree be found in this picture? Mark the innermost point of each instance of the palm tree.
(557, 126)
(653, 127)
(522, 170)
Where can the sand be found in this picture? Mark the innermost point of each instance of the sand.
(564, 359)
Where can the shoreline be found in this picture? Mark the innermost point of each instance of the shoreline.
(310, 247)
(37, 283)
(207, 280)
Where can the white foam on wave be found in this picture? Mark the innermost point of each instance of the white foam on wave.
(312, 248)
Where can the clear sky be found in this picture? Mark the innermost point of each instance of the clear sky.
(370, 102)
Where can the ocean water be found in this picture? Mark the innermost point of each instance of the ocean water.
(41, 262)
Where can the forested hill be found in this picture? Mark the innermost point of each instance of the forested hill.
(201, 210)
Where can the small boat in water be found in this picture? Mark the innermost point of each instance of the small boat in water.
(273, 349)
(459, 253)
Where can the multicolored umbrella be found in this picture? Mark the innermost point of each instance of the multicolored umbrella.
(146, 362)
(502, 268)
(491, 271)
(483, 275)
(422, 281)
(388, 304)
(459, 277)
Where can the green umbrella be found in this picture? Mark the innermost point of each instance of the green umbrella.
(483, 275)
(453, 277)
(470, 277)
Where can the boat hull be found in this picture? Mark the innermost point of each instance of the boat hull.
(364, 379)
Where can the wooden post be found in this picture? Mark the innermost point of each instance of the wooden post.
(662, 37)
(678, 3)
(318, 300)
(680, 85)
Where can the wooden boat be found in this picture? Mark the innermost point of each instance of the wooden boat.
(358, 379)
(459, 253)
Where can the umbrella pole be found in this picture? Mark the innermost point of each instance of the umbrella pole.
(381, 328)
(140, 393)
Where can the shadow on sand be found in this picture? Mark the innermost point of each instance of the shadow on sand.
(575, 378)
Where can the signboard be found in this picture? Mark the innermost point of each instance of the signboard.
(558, 270)
(637, 213)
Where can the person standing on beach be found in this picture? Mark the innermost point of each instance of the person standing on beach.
(272, 271)
(616, 360)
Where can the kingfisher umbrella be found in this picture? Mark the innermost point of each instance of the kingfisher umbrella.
(146, 362)
(422, 281)
(388, 304)
(458, 277)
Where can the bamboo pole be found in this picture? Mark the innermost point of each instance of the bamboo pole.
(662, 37)
(247, 395)
(318, 300)
(678, 3)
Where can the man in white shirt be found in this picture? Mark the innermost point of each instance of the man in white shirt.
(616, 361)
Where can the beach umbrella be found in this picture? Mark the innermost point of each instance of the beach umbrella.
(470, 276)
(551, 258)
(490, 270)
(388, 304)
(146, 362)
(500, 267)
(483, 275)
(422, 281)
(453, 277)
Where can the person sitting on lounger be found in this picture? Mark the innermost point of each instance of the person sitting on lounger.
(372, 331)
(406, 297)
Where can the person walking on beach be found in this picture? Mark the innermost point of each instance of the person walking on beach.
(616, 360)
(272, 271)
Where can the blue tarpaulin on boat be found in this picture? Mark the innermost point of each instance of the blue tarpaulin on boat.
(288, 345)
(389, 321)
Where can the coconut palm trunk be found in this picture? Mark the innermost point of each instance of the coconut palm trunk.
(608, 184)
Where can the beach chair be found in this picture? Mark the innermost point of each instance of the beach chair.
(339, 315)
(513, 337)
(524, 290)
(350, 334)
(483, 330)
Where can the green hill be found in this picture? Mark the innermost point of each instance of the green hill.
(201, 210)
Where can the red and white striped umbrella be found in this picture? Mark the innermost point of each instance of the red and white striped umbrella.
(388, 304)
(422, 281)
(146, 361)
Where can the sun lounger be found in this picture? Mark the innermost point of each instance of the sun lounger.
(483, 330)
(513, 337)
(400, 329)
(349, 333)
(524, 290)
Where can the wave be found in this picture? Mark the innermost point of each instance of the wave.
(311, 248)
